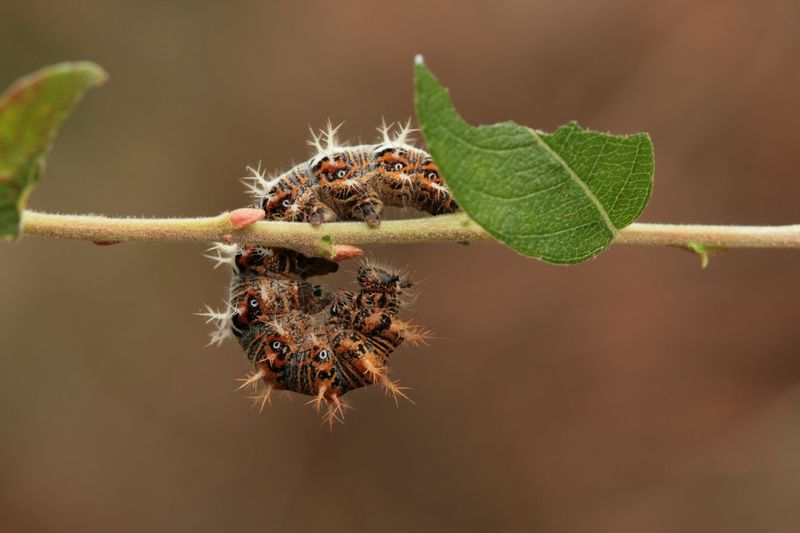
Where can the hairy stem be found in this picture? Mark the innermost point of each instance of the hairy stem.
(320, 240)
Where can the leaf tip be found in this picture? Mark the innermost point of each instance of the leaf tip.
(32, 109)
(95, 72)
(419, 60)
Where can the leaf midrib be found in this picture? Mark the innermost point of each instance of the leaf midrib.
(577, 180)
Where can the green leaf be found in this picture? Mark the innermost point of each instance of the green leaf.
(31, 112)
(560, 196)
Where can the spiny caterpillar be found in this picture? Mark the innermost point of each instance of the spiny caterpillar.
(354, 183)
(297, 335)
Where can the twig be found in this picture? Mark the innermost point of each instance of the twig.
(320, 240)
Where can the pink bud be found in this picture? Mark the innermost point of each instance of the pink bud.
(241, 218)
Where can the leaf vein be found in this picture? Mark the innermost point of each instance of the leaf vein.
(574, 177)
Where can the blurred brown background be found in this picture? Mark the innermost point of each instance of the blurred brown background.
(633, 393)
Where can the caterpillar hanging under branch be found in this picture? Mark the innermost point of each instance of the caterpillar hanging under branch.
(298, 336)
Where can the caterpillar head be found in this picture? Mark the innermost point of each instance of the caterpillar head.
(378, 280)
(382, 294)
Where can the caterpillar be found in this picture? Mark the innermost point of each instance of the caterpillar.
(299, 336)
(354, 183)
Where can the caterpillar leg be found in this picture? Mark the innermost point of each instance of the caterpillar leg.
(354, 202)
(307, 207)
(368, 208)
(316, 213)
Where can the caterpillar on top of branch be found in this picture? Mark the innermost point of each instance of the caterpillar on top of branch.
(354, 182)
